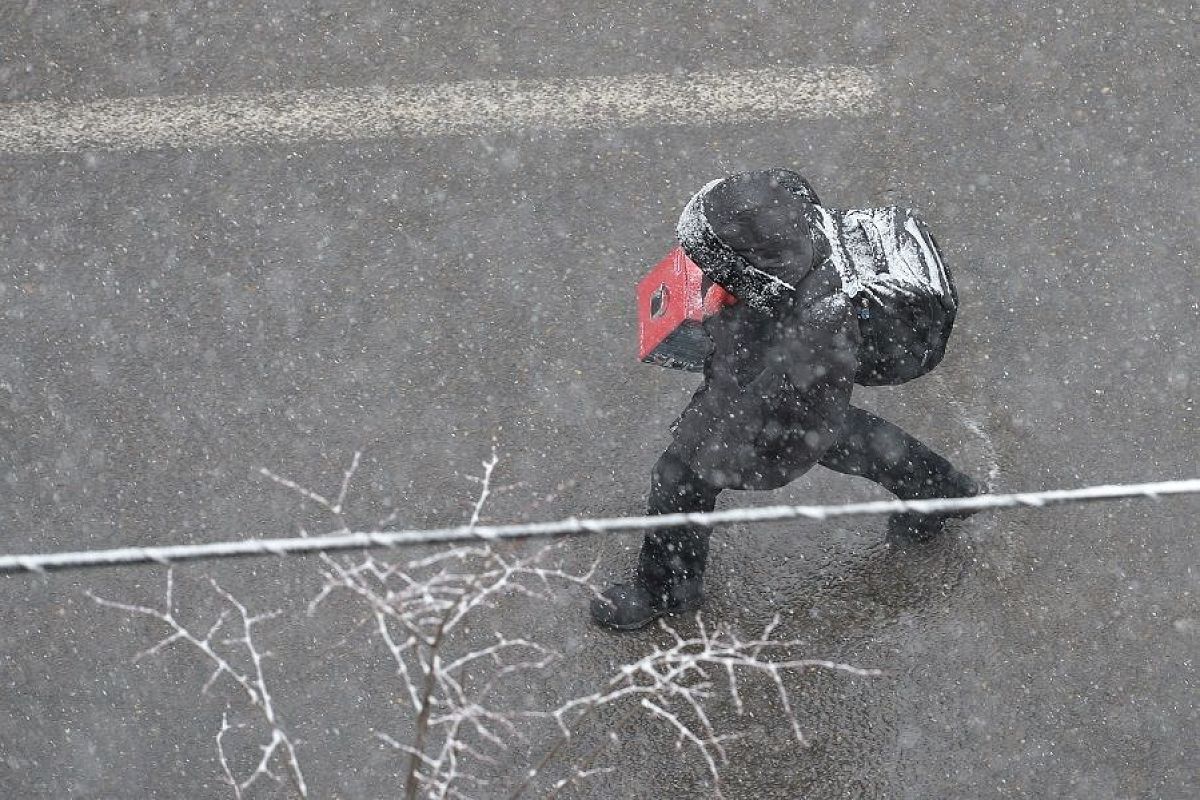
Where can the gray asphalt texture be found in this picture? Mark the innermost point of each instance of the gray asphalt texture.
(174, 320)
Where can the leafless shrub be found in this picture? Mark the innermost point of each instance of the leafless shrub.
(457, 727)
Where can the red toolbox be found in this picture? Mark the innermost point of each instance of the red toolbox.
(673, 299)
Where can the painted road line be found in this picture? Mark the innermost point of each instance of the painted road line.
(211, 121)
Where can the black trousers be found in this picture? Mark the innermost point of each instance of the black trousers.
(869, 447)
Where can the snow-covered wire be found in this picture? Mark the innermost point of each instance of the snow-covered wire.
(357, 540)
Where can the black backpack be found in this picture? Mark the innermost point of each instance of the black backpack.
(892, 269)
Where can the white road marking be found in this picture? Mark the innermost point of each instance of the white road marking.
(989, 452)
(211, 121)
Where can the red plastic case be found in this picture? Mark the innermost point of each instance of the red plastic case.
(673, 299)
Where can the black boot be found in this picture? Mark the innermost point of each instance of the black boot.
(629, 606)
(910, 526)
(670, 571)
(669, 580)
(878, 450)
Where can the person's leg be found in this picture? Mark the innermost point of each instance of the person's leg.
(670, 556)
(671, 564)
(884, 453)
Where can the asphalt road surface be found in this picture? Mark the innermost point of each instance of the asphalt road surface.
(179, 312)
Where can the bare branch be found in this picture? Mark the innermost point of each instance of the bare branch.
(679, 675)
(341, 498)
(237, 789)
(485, 486)
(307, 494)
(253, 685)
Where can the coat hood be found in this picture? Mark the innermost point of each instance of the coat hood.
(752, 233)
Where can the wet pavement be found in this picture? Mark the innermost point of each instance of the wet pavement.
(175, 320)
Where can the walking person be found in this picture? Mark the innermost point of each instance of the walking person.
(826, 299)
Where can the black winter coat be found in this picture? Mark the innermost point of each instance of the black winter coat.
(776, 388)
(777, 381)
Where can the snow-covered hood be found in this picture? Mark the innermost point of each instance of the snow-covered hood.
(753, 233)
